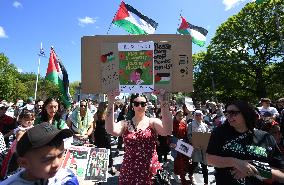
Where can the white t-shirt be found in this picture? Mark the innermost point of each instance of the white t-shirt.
(271, 110)
(21, 128)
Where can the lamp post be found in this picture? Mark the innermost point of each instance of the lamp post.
(213, 86)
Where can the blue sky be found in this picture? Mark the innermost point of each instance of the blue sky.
(24, 24)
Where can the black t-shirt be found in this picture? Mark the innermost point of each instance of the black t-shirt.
(225, 141)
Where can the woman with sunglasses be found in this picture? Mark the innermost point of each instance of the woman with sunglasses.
(50, 114)
(242, 154)
(81, 122)
(139, 133)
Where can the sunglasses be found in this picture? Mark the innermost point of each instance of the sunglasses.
(232, 113)
(136, 103)
(198, 115)
(83, 106)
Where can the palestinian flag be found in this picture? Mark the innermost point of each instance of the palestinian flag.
(56, 73)
(133, 21)
(197, 33)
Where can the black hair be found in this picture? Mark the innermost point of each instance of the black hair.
(138, 70)
(44, 114)
(248, 112)
(27, 114)
(131, 112)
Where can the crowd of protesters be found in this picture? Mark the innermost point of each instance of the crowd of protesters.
(148, 130)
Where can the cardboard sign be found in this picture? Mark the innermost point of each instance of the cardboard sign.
(172, 58)
(87, 163)
(200, 140)
(184, 148)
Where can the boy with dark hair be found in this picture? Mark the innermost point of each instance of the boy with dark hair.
(40, 152)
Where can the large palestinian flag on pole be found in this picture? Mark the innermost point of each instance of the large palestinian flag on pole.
(57, 74)
(197, 33)
(133, 21)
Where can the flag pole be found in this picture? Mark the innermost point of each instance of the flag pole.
(179, 20)
(37, 76)
(112, 19)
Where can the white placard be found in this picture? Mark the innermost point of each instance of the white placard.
(184, 148)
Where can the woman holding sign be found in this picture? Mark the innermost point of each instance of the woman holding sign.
(139, 132)
(242, 154)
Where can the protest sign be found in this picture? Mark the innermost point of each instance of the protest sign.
(76, 159)
(200, 140)
(87, 163)
(97, 168)
(189, 103)
(184, 148)
(172, 58)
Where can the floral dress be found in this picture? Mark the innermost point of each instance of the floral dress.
(140, 161)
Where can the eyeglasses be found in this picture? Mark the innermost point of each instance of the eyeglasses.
(136, 103)
(232, 113)
(198, 115)
(83, 106)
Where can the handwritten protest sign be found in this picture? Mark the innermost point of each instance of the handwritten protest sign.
(136, 67)
(87, 163)
(101, 62)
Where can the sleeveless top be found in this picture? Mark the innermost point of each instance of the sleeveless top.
(140, 161)
(102, 138)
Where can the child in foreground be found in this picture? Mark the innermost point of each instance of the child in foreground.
(40, 152)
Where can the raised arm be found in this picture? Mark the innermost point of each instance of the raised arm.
(164, 127)
(113, 128)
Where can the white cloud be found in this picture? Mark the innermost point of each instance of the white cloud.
(87, 20)
(229, 4)
(2, 33)
(20, 70)
(73, 42)
(17, 4)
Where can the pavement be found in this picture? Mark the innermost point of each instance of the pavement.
(118, 158)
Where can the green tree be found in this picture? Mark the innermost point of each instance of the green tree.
(10, 86)
(73, 86)
(245, 54)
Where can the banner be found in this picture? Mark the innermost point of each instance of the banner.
(87, 163)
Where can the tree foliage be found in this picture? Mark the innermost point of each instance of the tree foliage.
(14, 85)
(245, 58)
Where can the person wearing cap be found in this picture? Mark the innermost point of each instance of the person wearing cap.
(40, 153)
(265, 107)
(199, 155)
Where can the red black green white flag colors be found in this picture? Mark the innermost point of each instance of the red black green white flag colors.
(197, 33)
(57, 73)
(132, 21)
